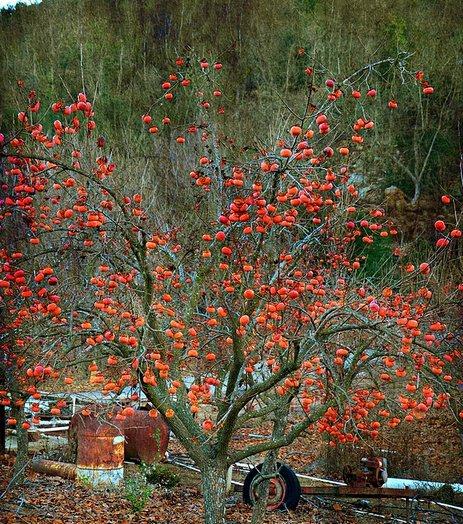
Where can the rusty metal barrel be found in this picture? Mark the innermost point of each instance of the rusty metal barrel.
(100, 451)
(146, 438)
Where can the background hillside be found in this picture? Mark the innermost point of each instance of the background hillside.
(120, 54)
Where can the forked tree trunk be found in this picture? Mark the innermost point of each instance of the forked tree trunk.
(214, 485)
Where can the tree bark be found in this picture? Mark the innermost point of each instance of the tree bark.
(2, 430)
(260, 507)
(214, 486)
(417, 193)
(269, 464)
(22, 440)
(2, 407)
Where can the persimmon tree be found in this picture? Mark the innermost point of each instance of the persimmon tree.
(263, 307)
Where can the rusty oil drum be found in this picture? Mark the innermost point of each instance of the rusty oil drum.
(146, 438)
(100, 451)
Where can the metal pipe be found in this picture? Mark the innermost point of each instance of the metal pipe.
(420, 484)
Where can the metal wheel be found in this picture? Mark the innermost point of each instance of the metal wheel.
(284, 488)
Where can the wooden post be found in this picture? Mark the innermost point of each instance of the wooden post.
(229, 478)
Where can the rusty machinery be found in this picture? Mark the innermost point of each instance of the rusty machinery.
(371, 474)
(285, 490)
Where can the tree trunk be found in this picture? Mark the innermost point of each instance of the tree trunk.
(2, 429)
(270, 463)
(417, 193)
(214, 485)
(259, 509)
(22, 440)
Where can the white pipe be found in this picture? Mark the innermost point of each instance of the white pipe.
(394, 519)
(193, 468)
(420, 484)
(326, 481)
(446, 505)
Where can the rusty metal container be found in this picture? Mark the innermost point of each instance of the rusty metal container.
(100, 451)
(146, 438)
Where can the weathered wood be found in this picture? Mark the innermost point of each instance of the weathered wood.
(52, 467)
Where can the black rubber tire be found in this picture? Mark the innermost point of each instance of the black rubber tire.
(293, 487)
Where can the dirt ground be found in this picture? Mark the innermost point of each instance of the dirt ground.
(52, 500)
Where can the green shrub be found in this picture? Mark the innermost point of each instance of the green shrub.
(137, 492)
(160, 475)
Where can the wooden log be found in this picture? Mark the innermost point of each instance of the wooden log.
(52, 467)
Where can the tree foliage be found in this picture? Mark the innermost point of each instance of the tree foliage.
(252, 302)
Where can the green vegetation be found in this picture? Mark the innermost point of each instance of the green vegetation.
(137, 492)
(118, 55)
(160, 475)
